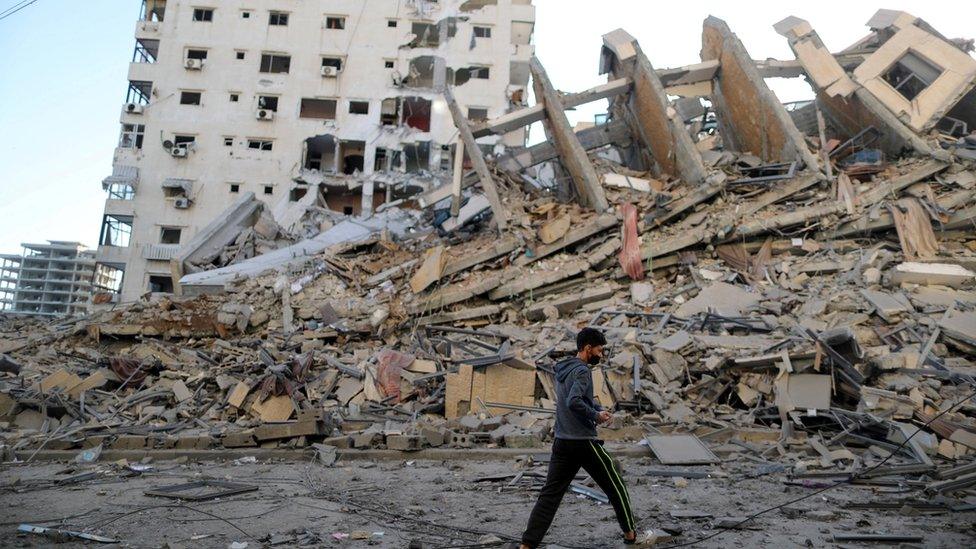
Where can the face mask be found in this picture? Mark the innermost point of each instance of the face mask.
(593, 360)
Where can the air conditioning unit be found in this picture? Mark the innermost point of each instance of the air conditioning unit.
(264, 114)
(193, 64)
(134, 108)
(179, 152)
(329, 71)
(181, 203)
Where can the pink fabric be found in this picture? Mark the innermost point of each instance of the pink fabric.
(630, 257)
(389, 364)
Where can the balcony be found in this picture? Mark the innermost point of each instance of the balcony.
(148, 29)
(113, 254)
(159, 252)
(119, 207)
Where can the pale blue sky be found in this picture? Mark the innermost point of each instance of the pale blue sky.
(63, 71)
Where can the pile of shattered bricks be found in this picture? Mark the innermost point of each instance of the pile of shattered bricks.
(796, 282)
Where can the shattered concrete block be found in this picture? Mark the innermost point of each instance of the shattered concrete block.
(522, 439)
(932, 274)
(403, 443)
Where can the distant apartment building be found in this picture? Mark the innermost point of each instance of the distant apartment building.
(50, 279)
(284, 97)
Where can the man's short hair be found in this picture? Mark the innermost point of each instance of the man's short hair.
(589, 336)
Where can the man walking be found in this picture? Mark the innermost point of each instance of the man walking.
(576, 445)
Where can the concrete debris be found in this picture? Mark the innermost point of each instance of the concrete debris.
(786, 313)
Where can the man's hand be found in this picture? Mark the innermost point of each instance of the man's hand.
(603, 416)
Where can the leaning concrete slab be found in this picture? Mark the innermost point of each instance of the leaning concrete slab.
(751, 117)
(211, 240)
(849, 106)
(394, 220)
(659, 126)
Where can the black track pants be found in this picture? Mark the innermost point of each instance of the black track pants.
(567, 458)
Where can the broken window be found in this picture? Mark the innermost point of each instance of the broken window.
(320, 153)
(335, 22)
(318, 108)
(275, 63)
(161, 283)
(108, 278)
(416, 113)
(482, 32)
(391, 23)
(420, 72)
(911, 74)
(203, 14)
(390, 111)
(121, 191)
(477, 114)
(174, 187)
(479, 72)
(268, 102)
(259, 144)
(387, 64)
(235, 97)
(240, 55)
(425, 35)
(277, 18)
(417, 156)
(131, 137)
(462, 75)
(139, 92)
(352, 155)
(297, 193)
(146, 51)
(235, 187)
(269, 189)
(190, 98)
(359, 107)
(153, 10)
(170, 235)
(332, 62)
(380, 160)
(116, 230)
(196, 54)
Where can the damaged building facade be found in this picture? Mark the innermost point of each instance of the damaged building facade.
(52, 279)
(301, 105)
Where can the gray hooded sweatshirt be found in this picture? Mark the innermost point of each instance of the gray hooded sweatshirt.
(576, 410)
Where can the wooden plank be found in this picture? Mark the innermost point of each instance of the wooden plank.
(571, 152)
(478, 160)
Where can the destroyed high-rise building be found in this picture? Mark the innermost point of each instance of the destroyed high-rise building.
(52, 279)
(268, 110)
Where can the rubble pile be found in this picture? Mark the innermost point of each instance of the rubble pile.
(815, 304)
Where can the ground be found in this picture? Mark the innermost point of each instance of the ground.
(436, 504)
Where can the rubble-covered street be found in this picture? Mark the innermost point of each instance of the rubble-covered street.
(788, 295)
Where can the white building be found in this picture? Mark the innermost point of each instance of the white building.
(278, 97)
(47, 279)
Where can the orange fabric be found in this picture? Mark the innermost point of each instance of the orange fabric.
(630, 257)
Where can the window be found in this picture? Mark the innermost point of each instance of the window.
(324, 109)
(269, 189)
(911, 74)
(196, 54)
(139, 92)
(190, 98)
(245, 15)
(391, 23)
(240, 55)
(268, 102)
(159, 283)
(235, 187)
(477, 114)
(297, 194)
(337, 23)
(278, 19)
(121, 191)
(234, 97)
(146, 51)
(359, 107)
(131, 137)
(228, 141)
(183, 141)
(170, 235)
(203, 14)
(259, 144)
(108, 278)
(332, 62)
(379, 160)
(479, 72)
(116, 230)
(388, 64)
(275, 63)
(482, 32)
